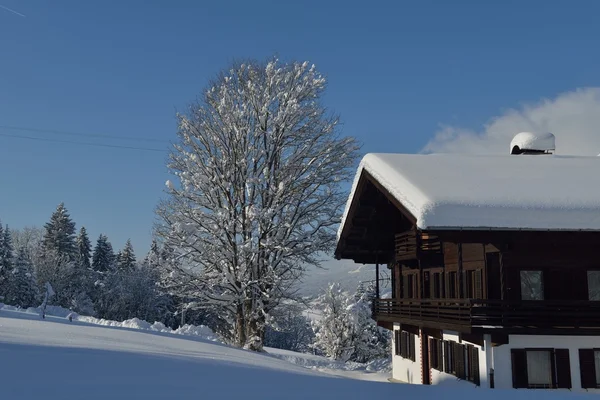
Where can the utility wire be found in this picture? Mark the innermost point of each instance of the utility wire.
(59, 132)
(115, 146)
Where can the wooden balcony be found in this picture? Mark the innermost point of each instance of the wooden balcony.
(411, 245)
(466, 315)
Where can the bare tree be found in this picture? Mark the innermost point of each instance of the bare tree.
(28, 239)
(259, 166)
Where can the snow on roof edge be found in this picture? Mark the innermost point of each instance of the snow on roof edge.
(372, 164)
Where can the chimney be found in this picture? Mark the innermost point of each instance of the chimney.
(533, 143)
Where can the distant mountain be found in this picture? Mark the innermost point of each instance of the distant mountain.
(347, 273)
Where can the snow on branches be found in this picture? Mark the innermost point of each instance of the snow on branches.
(258, 165)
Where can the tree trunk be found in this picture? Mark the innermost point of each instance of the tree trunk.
(256, 333)
(240, 327)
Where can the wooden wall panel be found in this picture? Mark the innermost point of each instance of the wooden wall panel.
(450, 255)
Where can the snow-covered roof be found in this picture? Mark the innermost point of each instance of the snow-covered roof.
(446, 191)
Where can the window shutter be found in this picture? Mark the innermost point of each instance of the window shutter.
(440, 355)
(587, 368)
(397, 342)
(459, 356)
(563, 368)
(433, 354)
(474, 365)
(446, 356)
(403, 344)
(411, 338)
(405, 286)
(519, 368)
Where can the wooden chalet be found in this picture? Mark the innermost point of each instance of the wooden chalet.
(494, 266)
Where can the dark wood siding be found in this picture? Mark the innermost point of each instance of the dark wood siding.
(451, 256)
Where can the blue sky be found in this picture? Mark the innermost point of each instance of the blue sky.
(397, 72)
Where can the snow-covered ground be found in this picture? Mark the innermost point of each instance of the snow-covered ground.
(58, 359)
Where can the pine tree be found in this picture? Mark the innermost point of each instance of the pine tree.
(5, 260)
(103, 258)
(21, 289)
(153, 258)
(84, 248)
(126, 261)
(60, 234)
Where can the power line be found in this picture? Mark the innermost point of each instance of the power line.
(70, 133)
(115, 146)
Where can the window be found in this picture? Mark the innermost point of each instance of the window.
(404, 344)
(541, 368)
(426, 285)
(532, 285)
(593, 280)
(468, 284)
(451, 292)
(409, 281)
(437, 285)
(589, 368)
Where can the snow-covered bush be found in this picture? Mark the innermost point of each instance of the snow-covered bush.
(346, 330)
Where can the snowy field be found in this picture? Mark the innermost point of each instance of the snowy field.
(58, 359)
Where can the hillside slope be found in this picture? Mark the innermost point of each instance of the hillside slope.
(58, 359)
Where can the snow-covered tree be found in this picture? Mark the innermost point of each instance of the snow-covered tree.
(6, 260)
(59, 235)
(259, 166)
(103, 258)
(21, 287)
(84, 249)
(289, 329)
(61, 273)
(370, 341)
(126, 258)
(28, 239)
(334, 330)
(346, 330)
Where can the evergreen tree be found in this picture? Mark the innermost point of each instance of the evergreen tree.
(84, 248)
(126, 258)
(5, 261)
(153, 258)
(6, 249)
(21, 289)
(60, 234)
(103, 258)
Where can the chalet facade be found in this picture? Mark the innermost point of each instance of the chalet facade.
(494, 264)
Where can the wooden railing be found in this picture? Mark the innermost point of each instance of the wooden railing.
(491, 313)
(410, 245)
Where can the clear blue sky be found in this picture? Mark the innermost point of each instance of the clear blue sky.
(396, 71)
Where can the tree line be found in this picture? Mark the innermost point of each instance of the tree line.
(88, 279)
(94, 280)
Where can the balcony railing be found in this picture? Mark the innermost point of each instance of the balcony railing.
(490, 314)
(411, 245)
